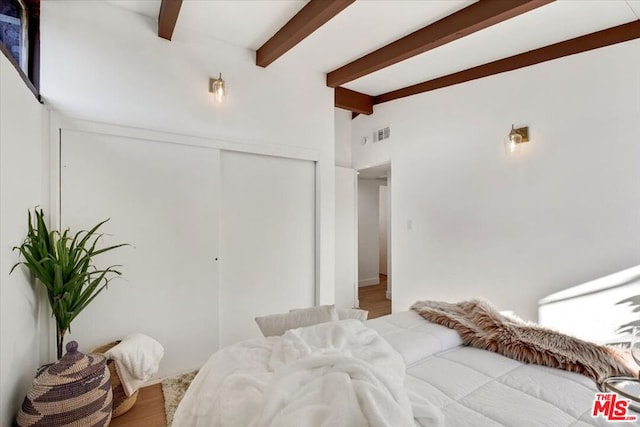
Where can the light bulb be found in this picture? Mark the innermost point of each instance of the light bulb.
(514, 136)
(219, 93)
(217, 87)
(512, 142)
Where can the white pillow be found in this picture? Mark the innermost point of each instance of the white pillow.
(344, 313)
(278, 324)
(352, 313)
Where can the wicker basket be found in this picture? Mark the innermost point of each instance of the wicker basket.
(121, 403)
(74, 392)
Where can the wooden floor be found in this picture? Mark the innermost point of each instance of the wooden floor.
(147, 412)
(374, 299)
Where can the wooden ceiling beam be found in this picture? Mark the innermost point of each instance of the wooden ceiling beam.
(610, 36)
(475, 17)
(353, 101)
(169, 11)
(312, 16)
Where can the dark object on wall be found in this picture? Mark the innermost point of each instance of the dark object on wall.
(13, 30)
(20, 39)
(75, 392)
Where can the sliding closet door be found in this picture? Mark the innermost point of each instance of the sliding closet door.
(163, 200)
(267, 240)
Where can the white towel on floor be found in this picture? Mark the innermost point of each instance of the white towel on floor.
(137, 359)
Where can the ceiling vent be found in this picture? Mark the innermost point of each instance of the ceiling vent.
(382, 134)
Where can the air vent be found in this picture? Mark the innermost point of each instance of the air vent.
(382, 134)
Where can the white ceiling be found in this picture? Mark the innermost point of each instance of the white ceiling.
(553, 23)
(375, 172)
(145, 7)
(369, 24)
(635, 6)
(244, 23)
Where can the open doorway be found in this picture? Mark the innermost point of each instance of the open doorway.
(374, 254)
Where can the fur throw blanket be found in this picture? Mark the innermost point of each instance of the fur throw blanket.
(481, 325)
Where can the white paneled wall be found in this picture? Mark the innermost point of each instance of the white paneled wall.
(267, 240)
(163, 199)
(217, 237)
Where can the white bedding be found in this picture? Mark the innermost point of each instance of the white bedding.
(337, 375)
(479, 388)
(333, 374)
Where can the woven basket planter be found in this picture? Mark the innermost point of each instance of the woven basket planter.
(121, 403)
(73, 392)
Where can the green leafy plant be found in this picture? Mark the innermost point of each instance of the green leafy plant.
(64, 266)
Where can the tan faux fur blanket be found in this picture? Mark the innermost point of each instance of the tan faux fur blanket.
(481, 325)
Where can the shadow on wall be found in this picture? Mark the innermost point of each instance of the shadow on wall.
(604, 310)
(633, 303)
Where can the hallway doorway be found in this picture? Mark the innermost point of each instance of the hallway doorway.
(374, 255)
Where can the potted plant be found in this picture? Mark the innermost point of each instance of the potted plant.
(63, 264)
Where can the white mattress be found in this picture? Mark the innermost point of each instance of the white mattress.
(479, 388)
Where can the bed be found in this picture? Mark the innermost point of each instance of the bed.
(427, 378)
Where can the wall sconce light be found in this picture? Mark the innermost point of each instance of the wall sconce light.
(514, 140)
(217, 88)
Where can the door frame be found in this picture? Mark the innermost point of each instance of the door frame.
(389, 293)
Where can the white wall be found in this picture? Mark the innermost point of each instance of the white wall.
(346, 224)
(382, 227)
(514, 229)
(368, 232)
(22, 160)
(592, 311)
(124, 74)
(342, 120)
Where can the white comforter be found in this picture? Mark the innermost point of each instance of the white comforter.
(478, 388)
(343, 374)
(334, 374)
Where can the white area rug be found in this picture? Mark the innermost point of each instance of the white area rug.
(173, 389)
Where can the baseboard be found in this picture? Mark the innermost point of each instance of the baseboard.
(158, 380)
(369, 282)
(153, 382)
(388, 294)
